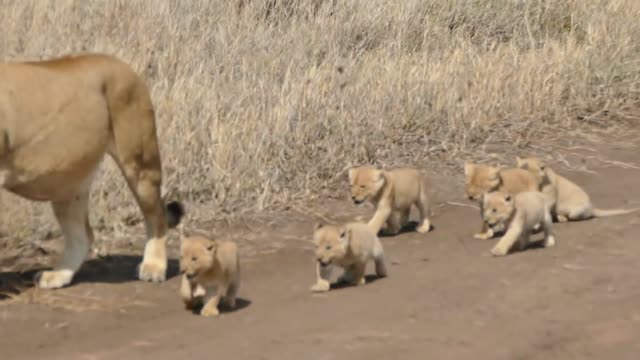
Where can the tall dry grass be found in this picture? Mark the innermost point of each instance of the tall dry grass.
(271, 103)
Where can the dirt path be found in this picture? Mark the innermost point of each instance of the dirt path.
(445, 298)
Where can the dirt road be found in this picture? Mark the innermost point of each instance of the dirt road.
(445, 298)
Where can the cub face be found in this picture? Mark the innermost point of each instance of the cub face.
(366, 183)
(497, 208)
(532, 164)
(479, 179)
(330, 243)
(196, 255)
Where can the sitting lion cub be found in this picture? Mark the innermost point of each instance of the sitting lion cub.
(349, 246)
(518, 215)
(392, 193)
(210, 267)
(481, 178)
(568, 200)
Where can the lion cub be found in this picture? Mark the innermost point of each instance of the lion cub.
(568, 200)
(518, 215)
(349, 246)
(210, 269)
(481, 178)
(392, 193)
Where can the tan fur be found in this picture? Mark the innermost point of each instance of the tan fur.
(568, 200)
(57, 120)
(481, 178)
(349, 246)
(210, 272)
(392, 193)
(518, 215)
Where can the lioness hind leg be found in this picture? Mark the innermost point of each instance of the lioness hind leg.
(424, 207)
(73, 217)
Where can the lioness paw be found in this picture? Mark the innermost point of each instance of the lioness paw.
(321, 286)
(153, 271)
(54, 279)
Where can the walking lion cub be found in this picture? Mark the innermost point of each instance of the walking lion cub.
(349, 246)
(568, 200)
(210, 272)
(392, 193)
(517, 215)
(481, 179)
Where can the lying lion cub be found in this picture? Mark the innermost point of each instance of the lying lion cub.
(210, 268)
(480, 179)
(349, 246)
(568, 200)
(392, 193)
(518, 215)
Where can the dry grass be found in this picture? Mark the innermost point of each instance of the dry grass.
(256, 111)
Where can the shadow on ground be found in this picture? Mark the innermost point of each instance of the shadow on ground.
(113, 269)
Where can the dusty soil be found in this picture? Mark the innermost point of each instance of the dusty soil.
(445, 298)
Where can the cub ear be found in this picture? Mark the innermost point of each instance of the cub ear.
(318, 226)
(379, 175)
(468, 168)
(352, 174)
(212, 246)
(345, 236)
(519, 161)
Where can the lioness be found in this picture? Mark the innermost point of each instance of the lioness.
(481, 178)
(210, 268)
(57, 120)
(392, 193)
(518, 215)
(349, 246)
(568, 200)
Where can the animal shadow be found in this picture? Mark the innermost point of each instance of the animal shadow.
(241, 304)
(339, 285)
(112, 269)
(411, 226)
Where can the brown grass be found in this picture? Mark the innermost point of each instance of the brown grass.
(255, 111)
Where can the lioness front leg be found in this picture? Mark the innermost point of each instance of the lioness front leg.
(73, 218)
(323, 275)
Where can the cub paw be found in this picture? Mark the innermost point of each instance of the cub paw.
(498, 251)
(209, 311)
(321, 286)
(424, 228)
(483, 236)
